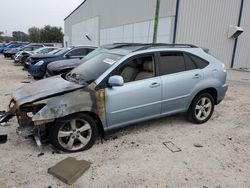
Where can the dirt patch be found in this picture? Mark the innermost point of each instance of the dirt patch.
(136, 156)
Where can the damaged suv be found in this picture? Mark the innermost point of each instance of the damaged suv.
(125, 84)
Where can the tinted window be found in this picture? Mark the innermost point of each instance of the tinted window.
(190, 65)
(171, 62)
(78, 52)
(89, 50)
(200, 63)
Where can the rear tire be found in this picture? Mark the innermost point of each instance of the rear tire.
(201, 108)
(73, 133)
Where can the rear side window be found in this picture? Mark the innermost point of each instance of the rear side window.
(200, 63)
(78, 52)
(171, 62)
(89, 50)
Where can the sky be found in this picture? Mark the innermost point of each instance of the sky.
(20, 15)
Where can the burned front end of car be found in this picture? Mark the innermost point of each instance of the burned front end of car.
(27, 127)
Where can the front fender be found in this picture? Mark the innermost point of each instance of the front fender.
(82, 100)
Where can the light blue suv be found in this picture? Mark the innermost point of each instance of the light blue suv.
(121, 85)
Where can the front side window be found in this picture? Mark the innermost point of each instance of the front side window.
(171, 62)
(136, 69)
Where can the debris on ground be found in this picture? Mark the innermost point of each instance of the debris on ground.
(69, 169)
(3, 139)
(25, 81)
(5, 116)
(171, 146)
(40, 154)
(197, 145)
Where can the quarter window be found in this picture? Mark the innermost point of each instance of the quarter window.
(200, 63)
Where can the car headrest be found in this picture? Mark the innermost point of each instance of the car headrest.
(148, 66)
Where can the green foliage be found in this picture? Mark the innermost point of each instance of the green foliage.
(1, 37)
(34, 34)
(47, 34)
(20, 36)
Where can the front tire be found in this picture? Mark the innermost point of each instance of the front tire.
(201, 108)
(74, 133)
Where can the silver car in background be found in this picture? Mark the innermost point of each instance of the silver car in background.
(123, 85)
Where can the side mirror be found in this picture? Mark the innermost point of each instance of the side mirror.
(115, 81)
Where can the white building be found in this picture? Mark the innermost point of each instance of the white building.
(207, 23)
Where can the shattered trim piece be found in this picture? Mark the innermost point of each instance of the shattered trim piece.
(172, 147)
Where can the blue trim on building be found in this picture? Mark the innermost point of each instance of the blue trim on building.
(176, 20)
(236, 40)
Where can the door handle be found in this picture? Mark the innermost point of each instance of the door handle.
(197, 76)
(155, 84)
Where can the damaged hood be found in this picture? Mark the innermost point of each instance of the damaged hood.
(64, 64)
(43, 89)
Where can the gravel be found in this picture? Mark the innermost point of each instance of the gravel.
(135, 156)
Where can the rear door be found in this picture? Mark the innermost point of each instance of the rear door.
(179, 77)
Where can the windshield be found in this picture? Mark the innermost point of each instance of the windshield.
(93, 53)
(59, 52)
(56, 51)
(92, 68)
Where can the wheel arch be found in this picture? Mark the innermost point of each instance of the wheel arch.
(91, 114)
(212, 91)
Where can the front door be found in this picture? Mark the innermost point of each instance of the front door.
(139, 98)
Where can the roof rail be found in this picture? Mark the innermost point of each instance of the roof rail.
(147, 46)
(120, 45)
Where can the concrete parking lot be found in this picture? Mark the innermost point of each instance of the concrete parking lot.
(136, 156)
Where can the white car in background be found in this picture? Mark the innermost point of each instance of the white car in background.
(22, 56)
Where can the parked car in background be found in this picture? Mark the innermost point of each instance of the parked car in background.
(65, 66)
(122, 86)
(24, 55)
(37, 64)
(11, 46)
(12, 51)
(5, 45)
(30, 47)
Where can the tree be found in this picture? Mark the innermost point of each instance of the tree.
(1, 37)
(51, 34)
(47, 34)
(20, 36)
(34, 34)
